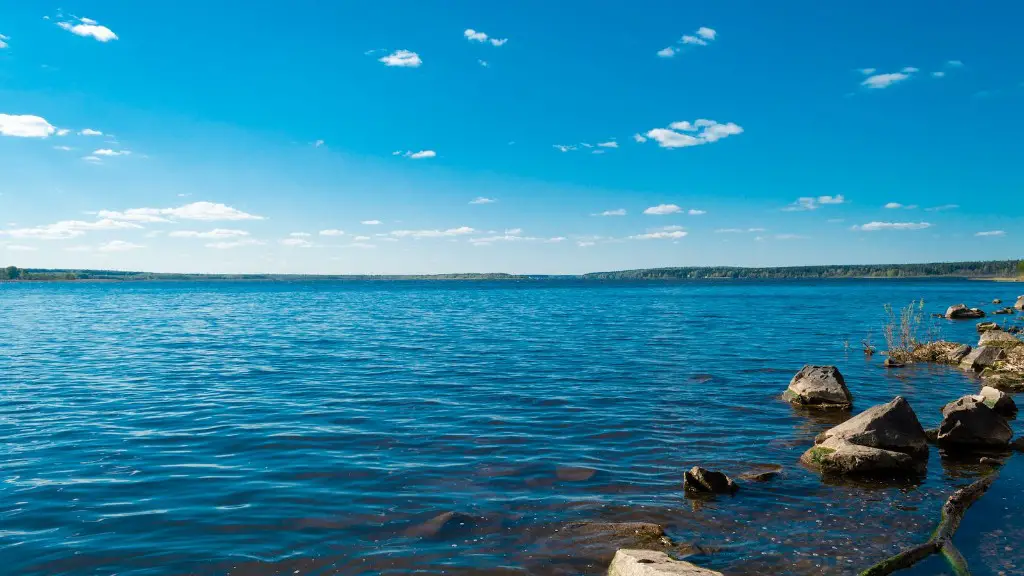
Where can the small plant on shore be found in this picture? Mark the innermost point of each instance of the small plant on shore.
(902, 330)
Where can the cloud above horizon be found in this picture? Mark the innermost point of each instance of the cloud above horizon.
(806, 203)
(89, 28)
(402, 59)
(683, 134)
(25, 126)
(876, 226)
(477, 36)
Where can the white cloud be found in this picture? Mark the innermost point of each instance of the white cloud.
(482, 63)
(300, 234)
(609, 144)
(19, 247)
(370, 222)
(92, 158)
(89, 29)
(67, 229)
(332, 232)
(476, 36)
(706, 33)
(639, 138)
(616, 212)
(361, 238)
(884, 80)
(661, 235)
(402, 59)
(25, 126)
(938, 74)
(991, 233)
(63, 131)
(942, 208)
(584, 243)
(897, 206)
(668, 52)
(811, 203)
(790, 237)
(461, 231)
(482, 200)
(701, 37)
(875, 226)
(318, 143)
(564, 147)
(205, 211)
(420, 155)
(109, 152)
(695, 212)
(867, 71)
(738, 230)
(909, 70)
(705, 132)
(235, 244)
(118, 246)
(954, 63)
(556, 240)
(90, 132)
(63, 148)
(687, 39)
(662, 209)
(359, 245)
(216, 233)
(296, 243)
(3, 41)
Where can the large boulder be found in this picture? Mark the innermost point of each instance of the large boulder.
(884, 439)
(986, 326)
(969, 421)
(981, 358)
(999, 401)
(653, 563)
(819, 387)
(698, 479)
(1020, 303)
(999, 338)
(962, 312)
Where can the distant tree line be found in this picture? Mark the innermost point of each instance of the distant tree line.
(992, 269)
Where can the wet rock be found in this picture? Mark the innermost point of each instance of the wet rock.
(819, 387)
(890, 363)
(981, 358)
(1014, 330)
(986, 326)
(1004, 311)
(962, 312)
(1003, 379)
(884, 439)
(446, 525)
(969, 422)
(764, 474)
(1019, 305)
(997, 301)
(986, 461)
(999, 338)
(932, 434)
(609, 536)
(958, 354)
(653, 563)
(999, 401)
(698, 479)
(941, 351)
(1018, 444)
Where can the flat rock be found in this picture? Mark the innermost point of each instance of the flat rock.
(962, 312)
(986, 326)
(698, 479)
(891, 426)
(968, 421)
(999, 338)
(981, 358)
(819, 387)
(1004, 311)
(653, 563)
(999, 401)
(839, 457)
(614, 535)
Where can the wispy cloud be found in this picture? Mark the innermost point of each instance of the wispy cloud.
(813, 203)
(878, 81)
(616, 212)
(565, 147)
(639, 138)
(942, 208)
(898, 206)
(701, 37)
(119, 246)
(477, 36)
(370, 222)
(25, 126)
(666, 233)
(205, 211)
(89, 132)
(695, 212)
(296, 242)
(609, 144)
(332, 232)
(19, 247)
(235, 244)
(417, 155)
(3, 41)
(402, 59)
(739, 230)
(318, 143)
(461, 231)
(683, 134)
(109, 152)
(663, 209)
(67, 229)
(876, 226)
(215, 234)
(991, 233)
(88, 28)
(482, 200)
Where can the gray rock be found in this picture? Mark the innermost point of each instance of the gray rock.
(614, 535)
(653, 563)
(986, 326)
(1004, 311)
(999, 401)
(1019, 305)
(698, 479)
(981, 358)
(839, 457)
(957, 355)
(891, 426)
(968, 421)
(998, 338)
(962, 312)
(819, 387)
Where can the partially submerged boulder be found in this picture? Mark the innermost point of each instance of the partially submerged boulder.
(999, 401)
(653, 563)
(981, 358)
(986, 326)
(1004, 311)
(999, 338)
(997, 301)
(969, 422)
(941, 351)
(1019, 305)
(962, 312)
(819, 387)
(600, 540)
(698, 479)
(884, 439)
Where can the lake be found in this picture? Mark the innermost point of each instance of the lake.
(322, 427)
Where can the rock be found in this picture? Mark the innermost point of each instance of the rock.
(1004, 311)
(999, 338)
(958, 354)
(608, 536)
(698, 479)
(442, 526)
(890, 363)
(653, 563)
(997, 301)
(985, 460)
(968, 421)
(884, 439)
(819, 387)
(981, 358)
(1003, 379)
(1014, 330)
(986, 326)
(1019, 305)
(1018, 444)
(932, 434)
(962, 312)
(766, 473)
(999, 401)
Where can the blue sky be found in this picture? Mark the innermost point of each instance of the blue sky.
(533, 137)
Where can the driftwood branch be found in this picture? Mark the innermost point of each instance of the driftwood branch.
(942, 540)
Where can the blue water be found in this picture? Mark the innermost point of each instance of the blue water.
(317, 428)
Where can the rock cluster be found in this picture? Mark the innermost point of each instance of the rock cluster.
(962, 312)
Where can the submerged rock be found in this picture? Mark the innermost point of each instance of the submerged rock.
(968, 421)
(653, 563)
(890, 363)
(962, 312)
(986, 326)
(764, 473)
(997, 301)
(981, 358)
(614, 535)
(1004, 311)
(698, 479)
(819, 387)
(883, 439)
(999, 401)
